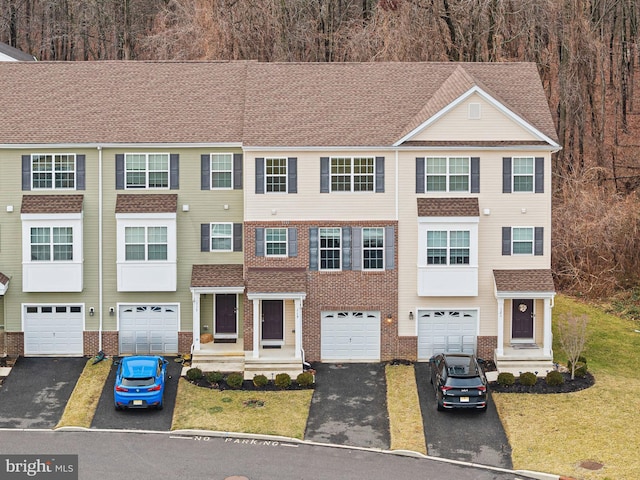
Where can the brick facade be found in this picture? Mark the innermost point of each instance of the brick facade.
(486, 347)
(15, 343)
(109, 343)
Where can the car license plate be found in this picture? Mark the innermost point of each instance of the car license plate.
(139, 402)
(464, 399)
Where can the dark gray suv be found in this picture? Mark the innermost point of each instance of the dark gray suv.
(459, 381)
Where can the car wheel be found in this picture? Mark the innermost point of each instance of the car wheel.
(440, 407)
(118, 408)
(160, 405)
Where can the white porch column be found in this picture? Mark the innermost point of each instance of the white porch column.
(548, 334)
(298, 327)
(256, 327)
(195, 299)
(500, 349)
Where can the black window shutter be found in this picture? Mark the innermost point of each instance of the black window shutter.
(80, 172)
(475, 174)
(205, 237)
(259, 175)
(389, 248)
(356, 250)
(292, 239)
(174, 171)
(420, 175)
(539, 175)
(506, 175)
(313, 249)
(379, 174)
(237, 237)
(205, 171)
(237, 171)
(324, 174)
(259, 242)
(26, 172)
(346, 248)
(292, 174)
(538, 248)
(506, 240)
(120, 171)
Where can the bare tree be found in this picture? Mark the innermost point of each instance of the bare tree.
(572, 331)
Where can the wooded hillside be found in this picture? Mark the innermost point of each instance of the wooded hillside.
(586, 52)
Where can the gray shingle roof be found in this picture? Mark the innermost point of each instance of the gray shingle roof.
(51, 204)
(524, 280)
(253, 103)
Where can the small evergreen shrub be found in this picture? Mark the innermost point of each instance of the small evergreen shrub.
(234, 380)
(581, 369)
(194, 374)
(554, 378)
(581, 359)
(283, 380)
(214, 377)
(506, 379)
(260, 381)
(305, 379)
(528, 379)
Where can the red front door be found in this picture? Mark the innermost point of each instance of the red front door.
(522, 319)
(226, 314)
(272, 320)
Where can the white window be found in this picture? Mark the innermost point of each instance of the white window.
(53, 171)
(352, 174)
(276, 242)
(147, 170)
(522, 240)
(276, 174)
(523, 174)
(448, 247)
(145, 243)
(51, 244)
(222, 237)
(373, 248)
(330, 248)
(221, 170)
(448, 174)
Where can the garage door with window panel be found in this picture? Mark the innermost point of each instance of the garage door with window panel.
(350, 336)
(53, 330)
(442, 331)
(148, 329)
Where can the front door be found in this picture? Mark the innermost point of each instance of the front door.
(522, 319)
(226, 325)
(272, 321)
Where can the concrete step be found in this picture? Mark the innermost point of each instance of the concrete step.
(271, 368)
(539, 367)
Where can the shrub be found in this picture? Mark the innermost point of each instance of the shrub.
(234, 380)
(528, 378)
(214, 377)
(581, 369)
(260, 381)
(305, 379)
(581, 359)
(554, 378)
(506, 379)
(194, 374)
(283, 380)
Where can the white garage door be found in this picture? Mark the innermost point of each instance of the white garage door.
(53, 330)
(350, 336)
(446, 331)
(148, 329)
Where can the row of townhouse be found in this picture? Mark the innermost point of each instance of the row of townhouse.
(260, 215)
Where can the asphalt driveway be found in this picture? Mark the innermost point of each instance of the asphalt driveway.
(37, 390)
(349, 406)
(107, 416)
(465, 435)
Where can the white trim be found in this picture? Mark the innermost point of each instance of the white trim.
(211, 171)
(33, 146)
(230, 237)
(277, 296)
(235, 313)
(533, 322)
(208, 290)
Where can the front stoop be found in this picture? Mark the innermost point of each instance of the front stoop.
(271, 367)
(243, 362)
(214, 362)
(519, 362)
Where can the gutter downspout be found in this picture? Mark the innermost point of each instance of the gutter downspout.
(100, 300)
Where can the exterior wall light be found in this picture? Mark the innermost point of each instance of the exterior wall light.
(410, 315)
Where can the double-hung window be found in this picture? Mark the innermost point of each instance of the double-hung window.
(447, 174)
(145, 243)
(523, 174)
(330, 248)
(276, 242)
(146, 170)
(373, 248)
(448, 247)
(522, 240)
(51, 244)
(221, 170)
(222, 237)
(276, 175)
(352, 174)
(53, 171)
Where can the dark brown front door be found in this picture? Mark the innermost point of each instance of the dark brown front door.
(522, 319)
(272, 318)
(226, 313)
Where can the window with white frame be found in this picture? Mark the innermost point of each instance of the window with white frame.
(448, 247)
(146, 170)
(447, 174)
(51, 244)
(53, 171)
(522, 239)
(523, 174)
(330, 248)
(276, 174)
(373, 248)
(221, 170)
(145, 243)
(352, 174)
(221, 237)
(276, 242)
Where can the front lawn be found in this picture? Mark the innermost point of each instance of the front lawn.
(574, 434)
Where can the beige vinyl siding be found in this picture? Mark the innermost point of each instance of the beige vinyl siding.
(456, 125)
(289, 322)
(309, 203)
(206, 314)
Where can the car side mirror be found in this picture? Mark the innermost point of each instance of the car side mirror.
(165, 362)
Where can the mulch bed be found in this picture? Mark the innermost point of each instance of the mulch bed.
(246, 385)
(541, 387)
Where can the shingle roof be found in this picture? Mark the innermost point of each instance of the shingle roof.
(3, 279)
(147, 203)
(15, 53)
(51, 204)
(448, 207)
(276, 280)
(524, 281)
(253, 103)
(217, 276)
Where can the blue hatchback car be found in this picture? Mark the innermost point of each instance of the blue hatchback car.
(140, 382)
